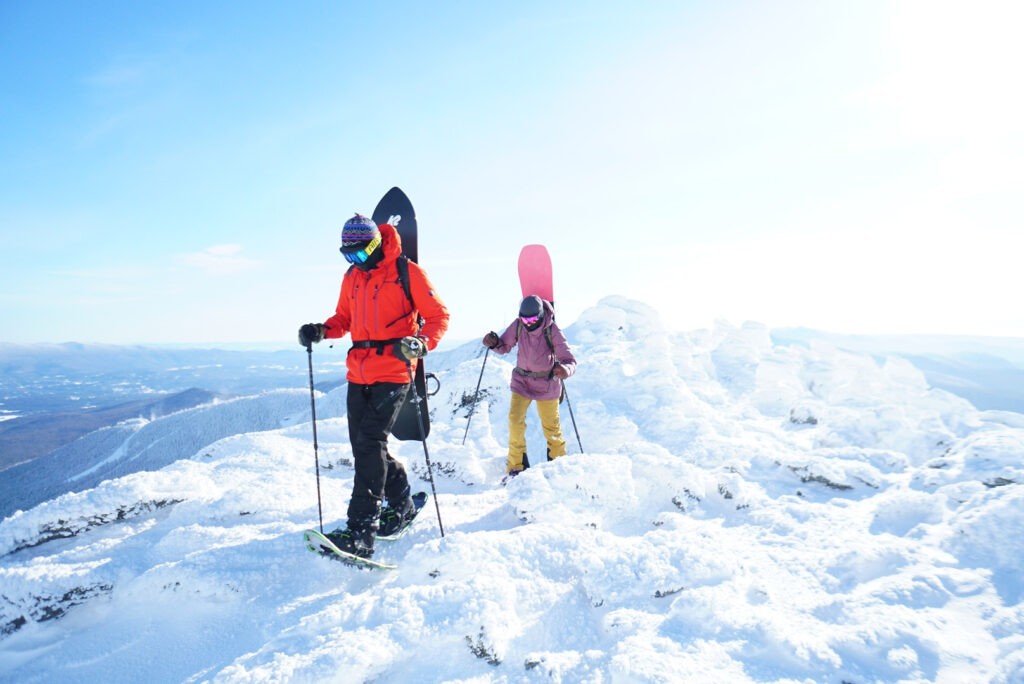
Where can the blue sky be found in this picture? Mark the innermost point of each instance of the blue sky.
(179, 172)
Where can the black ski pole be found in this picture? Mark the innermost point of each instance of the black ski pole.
(423, 438)
(316, 452)
(569, 404)
(476, 395)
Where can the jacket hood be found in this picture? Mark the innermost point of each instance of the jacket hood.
(391, 242)
(549, 314)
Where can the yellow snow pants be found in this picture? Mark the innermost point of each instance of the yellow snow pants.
(550, 423)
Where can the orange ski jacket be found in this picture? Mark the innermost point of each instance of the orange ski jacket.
(373, 307)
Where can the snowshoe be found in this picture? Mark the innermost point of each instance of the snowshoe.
(322, 544)
(394, 522)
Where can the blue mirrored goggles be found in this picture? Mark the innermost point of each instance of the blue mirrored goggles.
(360, 256)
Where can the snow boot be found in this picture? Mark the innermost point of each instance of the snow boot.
(394, 518)
(511, 474)
(357, 542)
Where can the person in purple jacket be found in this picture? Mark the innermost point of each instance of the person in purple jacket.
(543, 361)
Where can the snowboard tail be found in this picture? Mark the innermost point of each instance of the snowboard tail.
(407, 424)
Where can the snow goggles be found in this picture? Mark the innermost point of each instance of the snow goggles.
(360, 256)
(529, 320)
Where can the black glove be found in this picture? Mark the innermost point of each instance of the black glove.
(491, 340)
(310, 333)
(410, 348)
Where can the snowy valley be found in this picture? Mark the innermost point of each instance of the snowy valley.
(742, 511)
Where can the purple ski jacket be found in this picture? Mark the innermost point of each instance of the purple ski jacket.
(537, 357)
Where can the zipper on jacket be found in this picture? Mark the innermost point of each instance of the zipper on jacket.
(376, 308)
(362, 323)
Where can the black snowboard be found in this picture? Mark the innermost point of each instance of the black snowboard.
(396, 209)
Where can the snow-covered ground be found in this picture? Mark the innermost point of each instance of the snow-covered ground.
(742, 512)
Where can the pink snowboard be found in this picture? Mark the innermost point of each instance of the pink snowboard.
(535, 272)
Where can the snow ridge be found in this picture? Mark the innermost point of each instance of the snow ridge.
(742, 512)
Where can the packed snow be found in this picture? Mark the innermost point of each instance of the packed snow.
(731, 510)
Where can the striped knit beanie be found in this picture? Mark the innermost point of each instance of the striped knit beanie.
(358, 230)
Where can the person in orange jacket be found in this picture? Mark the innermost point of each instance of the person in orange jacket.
(388, 340)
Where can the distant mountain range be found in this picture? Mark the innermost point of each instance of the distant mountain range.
(76, 405)
(68, 407)
(29, 437)
(987, 371)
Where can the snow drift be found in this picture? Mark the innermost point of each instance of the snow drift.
(741, 512)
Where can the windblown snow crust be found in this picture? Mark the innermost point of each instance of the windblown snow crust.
(740, 512)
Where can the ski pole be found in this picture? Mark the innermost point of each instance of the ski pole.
(476, 395)
(423, 438)
(316, 452)
(569, 404)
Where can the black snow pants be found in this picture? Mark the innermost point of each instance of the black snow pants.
(372, 410)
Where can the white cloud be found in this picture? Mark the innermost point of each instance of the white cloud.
(219, 260)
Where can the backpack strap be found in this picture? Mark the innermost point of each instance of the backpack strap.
(402, 265)
(551, 346)
(547, 336)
